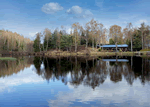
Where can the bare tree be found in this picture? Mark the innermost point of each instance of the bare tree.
(87, 28)
(76, 27)
(47, 34)
(130, 30)
(115, 31)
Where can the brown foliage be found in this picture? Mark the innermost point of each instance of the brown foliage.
(10, 41)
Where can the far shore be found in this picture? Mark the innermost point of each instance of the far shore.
(80, 53)
(67, 53)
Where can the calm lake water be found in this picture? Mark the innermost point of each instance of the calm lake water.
(75, 82)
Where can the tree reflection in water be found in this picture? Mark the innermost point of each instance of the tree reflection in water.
(8, 67)
(87, 71)
(92, 71)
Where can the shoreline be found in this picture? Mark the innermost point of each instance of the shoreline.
(7, 58)
(95, 54)
(82, 53)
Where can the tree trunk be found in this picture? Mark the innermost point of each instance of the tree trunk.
(86, 41)
(99, 41)
(8, 45)
(59, 41)
(70, 48)
(47, 45)
(59, 44)
(43, 46)
(142, 39)
(102, 42)
(93, 43)
(39, 47)
(116, 47)
(56, 44)
(148, 44)
(96, 45)
(19, 45)
(12, 43)
(131, 45)
(75, 44)
(4, 42)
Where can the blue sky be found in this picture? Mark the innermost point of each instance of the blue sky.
(30, 16)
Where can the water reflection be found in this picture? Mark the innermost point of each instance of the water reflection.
(7, 68)
(74, 81)
(77, 70)
(93, 71)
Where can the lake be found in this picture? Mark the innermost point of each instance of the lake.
(75, 82)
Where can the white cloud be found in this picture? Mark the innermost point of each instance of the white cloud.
(33, 34)
(88, 13)
(20, 78)
(107, 93)
(138, 23)
(127, 16)
(84, 14)
(144, 20)
(51, 8)
(74, 10)
(68, 30)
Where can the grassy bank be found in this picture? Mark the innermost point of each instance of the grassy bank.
(90, 53)
(145, 50)
(7, 58)
(112, 53)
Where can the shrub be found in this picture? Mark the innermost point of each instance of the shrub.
(99, 49)
(120, 50)
(111, 50)
(145, 50)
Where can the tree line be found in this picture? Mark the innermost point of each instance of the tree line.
(10, 41)
(93, 34)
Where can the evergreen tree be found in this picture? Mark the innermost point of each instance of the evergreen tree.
(83, 41)
(37, 43)
(54, 40)
(111, 42)
(137, 43)
(66, 42)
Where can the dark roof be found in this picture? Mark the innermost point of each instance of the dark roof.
(113, 46)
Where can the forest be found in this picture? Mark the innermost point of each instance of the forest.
(10, 41)
(91, 34)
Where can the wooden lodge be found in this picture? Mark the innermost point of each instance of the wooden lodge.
(123, 47)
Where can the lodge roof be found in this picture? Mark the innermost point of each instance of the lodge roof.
(114, 60)
(113, 46)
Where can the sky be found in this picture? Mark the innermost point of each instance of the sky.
(27, 17)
